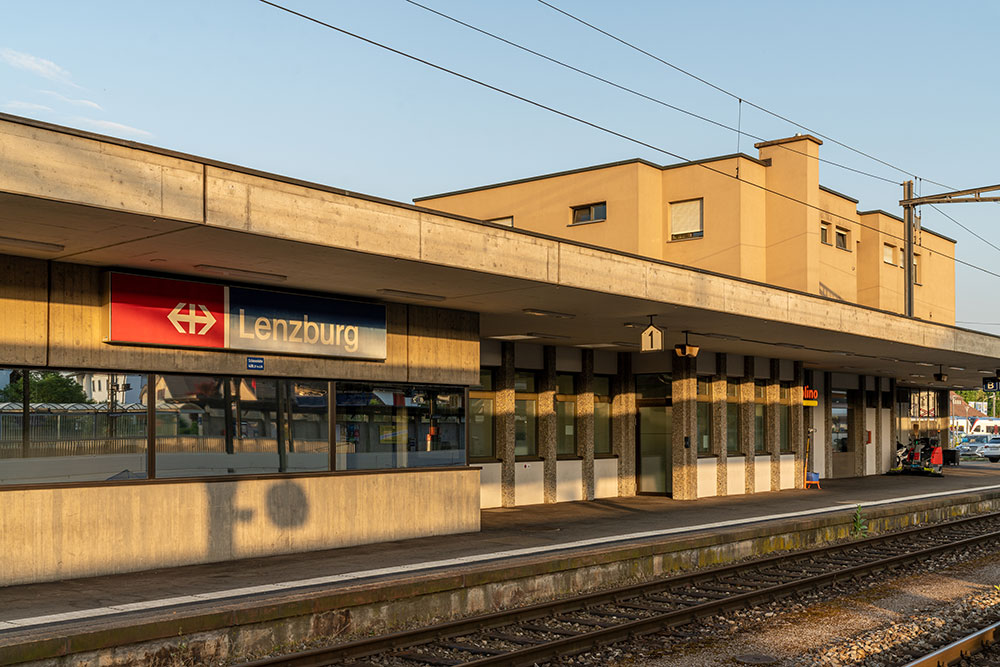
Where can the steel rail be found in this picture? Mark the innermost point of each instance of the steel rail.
(955, 652)
(585, 641)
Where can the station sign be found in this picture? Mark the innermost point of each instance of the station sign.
(652, 339)
(168, 312)
(810, 397)
(991, 384)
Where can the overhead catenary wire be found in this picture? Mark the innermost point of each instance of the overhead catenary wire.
(722, 90)
(738, 129)
(644, 96)
(590, 124)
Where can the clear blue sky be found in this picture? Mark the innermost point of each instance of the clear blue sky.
(236, 80)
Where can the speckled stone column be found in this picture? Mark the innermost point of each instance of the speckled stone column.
(685, 428)
(547, 422)
(717, 392)
(796, 425)
(504, 422)
(879, 428)
(856, 425)
(828, 423)
(585, 421)
(893, 422)
(772, 423)
(623, 416)
(747, 420)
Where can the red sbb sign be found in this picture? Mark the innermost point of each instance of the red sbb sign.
(164, 311)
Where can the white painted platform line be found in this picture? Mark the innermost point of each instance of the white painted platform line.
(284, 586)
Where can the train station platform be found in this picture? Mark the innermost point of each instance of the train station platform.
(222, 612)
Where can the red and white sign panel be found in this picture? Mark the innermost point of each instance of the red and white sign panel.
(163, 311)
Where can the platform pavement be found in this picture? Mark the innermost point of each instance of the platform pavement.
(31, 611)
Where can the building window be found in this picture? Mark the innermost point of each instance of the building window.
(687, 220)
(824, 232)
(918, 277)
(565, 415)
(602, 415)
(759, 431)
(399, 426)
(63, 436)
(839, 436)
(482, 403)
(704, 409)
(733, 418)
(525, 414)
(506, 222)
(785, 418)
(590, 213)
(889, 253)
(842, 235)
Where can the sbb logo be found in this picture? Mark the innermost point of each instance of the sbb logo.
(164, 311)
(191, 318)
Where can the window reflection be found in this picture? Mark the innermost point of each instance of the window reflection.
(79, 426)
(399, 427)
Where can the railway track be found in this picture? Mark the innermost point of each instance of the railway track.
(979, 643)
(543, 632)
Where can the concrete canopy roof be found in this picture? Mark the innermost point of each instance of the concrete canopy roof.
(76, 197)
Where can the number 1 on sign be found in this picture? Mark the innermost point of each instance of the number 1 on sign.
(652, 339)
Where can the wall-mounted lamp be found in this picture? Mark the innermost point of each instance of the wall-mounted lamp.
(686, 349)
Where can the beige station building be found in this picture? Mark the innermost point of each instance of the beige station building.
(765, 219)
(203, 362)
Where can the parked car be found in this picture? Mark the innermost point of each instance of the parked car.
(970, 448)
(991, 450)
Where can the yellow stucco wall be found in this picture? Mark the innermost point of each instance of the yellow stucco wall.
(766, 226)
(546, 206)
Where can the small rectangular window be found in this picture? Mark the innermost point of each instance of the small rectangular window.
(918, 277)
(842, 238)
(889, 253)
(824, 233)
(687, 220)
(590, 213)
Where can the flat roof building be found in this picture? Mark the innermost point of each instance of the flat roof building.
(312, 368)
(766, 219)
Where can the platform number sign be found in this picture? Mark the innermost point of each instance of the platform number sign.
(991, 384)
(652, 339)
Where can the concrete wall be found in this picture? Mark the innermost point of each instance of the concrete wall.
(127, 527)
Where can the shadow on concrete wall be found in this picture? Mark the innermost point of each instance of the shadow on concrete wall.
(287, 507)
(287, 504)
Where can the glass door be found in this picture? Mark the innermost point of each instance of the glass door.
(655, 460)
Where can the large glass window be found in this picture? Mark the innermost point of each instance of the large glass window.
(212, 425)
(704, 410)
(733, 418)
(653, 386)
(759, 424)
(839, 434)
(525, 414)
(392, 426)
(565, 415)
(482, 402)
(78, 427)
(784, 418)
(602, 415)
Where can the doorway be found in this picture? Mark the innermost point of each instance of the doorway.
(654, 460)
(842, 444)
(654, 434)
